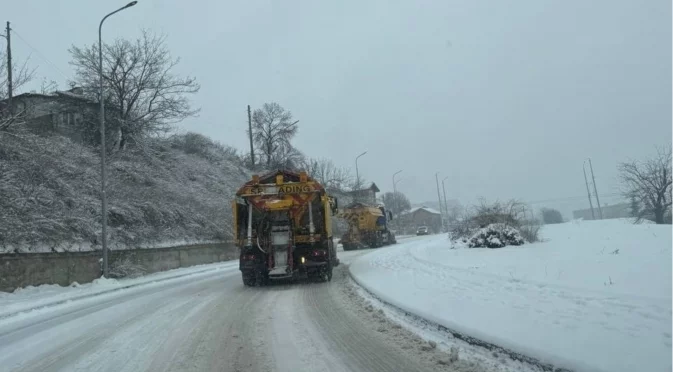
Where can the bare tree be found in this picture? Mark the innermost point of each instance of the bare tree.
(139, 83)
(327, 173)
(396, 202)
(48, 86)
(287, 157)
(648, 185)
(21, 75)
(272, 131)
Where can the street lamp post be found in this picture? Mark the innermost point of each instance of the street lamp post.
(102, 137)
(398, 181)
(357, 172)
(395, 190)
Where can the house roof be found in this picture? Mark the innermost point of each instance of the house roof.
(55, 95)
(372, 187)
(427, 209)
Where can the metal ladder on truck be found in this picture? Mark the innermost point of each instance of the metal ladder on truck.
(280, 262)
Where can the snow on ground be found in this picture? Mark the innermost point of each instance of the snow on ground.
(594, 296)
(29, 298)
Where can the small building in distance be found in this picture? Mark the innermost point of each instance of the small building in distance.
(421, 216)
(68, 113)
(621, 210)
(367, 195)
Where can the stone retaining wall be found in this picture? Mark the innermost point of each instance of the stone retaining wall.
(24, 269)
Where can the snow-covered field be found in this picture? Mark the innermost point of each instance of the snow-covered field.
(594, 296)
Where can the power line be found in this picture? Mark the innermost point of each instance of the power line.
(40, 54)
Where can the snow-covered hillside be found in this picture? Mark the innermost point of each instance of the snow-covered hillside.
(172, 189)
(594, 296)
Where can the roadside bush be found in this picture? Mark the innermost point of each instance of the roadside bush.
(512, 214)
(495, 235)
(126, 268)
(551, 216)
(530, 231)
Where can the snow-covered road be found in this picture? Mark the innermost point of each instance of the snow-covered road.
(212, 322)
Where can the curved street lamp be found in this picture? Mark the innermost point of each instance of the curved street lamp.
(357, 172)
(394, 183)
(102, 137)
(397, 204)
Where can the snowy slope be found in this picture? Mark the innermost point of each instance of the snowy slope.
(595, 296)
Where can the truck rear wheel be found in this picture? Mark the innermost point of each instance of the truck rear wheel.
(326, 274)
(248, 279)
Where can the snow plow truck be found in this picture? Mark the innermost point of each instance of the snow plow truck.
(283, 228)
(367, 226)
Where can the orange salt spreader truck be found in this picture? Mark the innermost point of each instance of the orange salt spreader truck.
(283, 228)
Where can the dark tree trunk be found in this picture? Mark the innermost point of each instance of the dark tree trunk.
(123, 138)
(659, 215)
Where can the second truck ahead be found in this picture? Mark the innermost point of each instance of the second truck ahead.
(283, 228)
(367, 226)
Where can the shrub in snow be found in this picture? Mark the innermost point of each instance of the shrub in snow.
(551, 216)
(126, 268)
(530, 232)
(495, 235)
(512, 213)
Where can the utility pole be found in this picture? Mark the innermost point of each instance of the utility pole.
(593, 179)
(252, 149)
(446, 206)
(441, 215)
(586, 182)
(8, 36)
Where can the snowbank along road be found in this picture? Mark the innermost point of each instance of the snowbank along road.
(213, 323)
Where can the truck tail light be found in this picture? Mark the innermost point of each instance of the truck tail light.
(248, 257)
(319, 253)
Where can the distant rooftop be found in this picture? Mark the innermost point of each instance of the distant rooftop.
(427, 209)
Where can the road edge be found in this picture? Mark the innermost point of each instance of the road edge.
(103, 292)
(514, 355)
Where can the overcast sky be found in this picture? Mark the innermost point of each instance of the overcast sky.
(504, 98)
